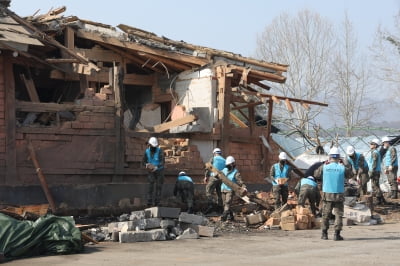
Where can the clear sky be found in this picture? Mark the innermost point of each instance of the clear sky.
(230, 25)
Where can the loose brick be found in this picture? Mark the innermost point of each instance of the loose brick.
(302, 218)
(255, 218)
(288, 219)
(188, 234)
(288, 226)
(272, 221)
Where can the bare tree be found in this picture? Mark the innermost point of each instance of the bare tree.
(386, 53)
(304, 42)
(351, 81)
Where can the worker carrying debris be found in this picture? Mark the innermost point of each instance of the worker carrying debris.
(374, 170)
(184, 189)
(391, 166)
(153, 160)
(333, 174)
(214, 182)
(307, 189)
(280, 173)
(359, 169)
(233, 175)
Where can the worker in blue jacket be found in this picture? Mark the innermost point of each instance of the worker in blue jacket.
(334, 174)
(184, 189)
(153, 160)
(307, 189)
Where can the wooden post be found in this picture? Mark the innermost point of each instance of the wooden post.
(42, 179)
(10, 118)
(235, 187)
(224, 100)
(119, 144)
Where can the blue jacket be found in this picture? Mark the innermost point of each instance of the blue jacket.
(230, 176)
(354, 163)
(218, 162)
(333, 178)
(388, 158)
(308, 181)
(155, 160)
(280, 174)
(184, 178)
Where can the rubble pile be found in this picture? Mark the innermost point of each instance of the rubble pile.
(158, 224)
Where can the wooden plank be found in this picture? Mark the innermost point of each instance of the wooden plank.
(142, 48)
(42, 178)
(61, 60)
(129, 79)
(237, 120)
(119, 135)
(178, 122)
(66, 131)
(56, 107)
(30, 87)
(259, 74)
(100, 54)
(10, 118)
(69, 38)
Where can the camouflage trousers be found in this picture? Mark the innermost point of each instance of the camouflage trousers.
(280, 191)
(155, 179)
(214, 184)
(327, 207)
(185, 191)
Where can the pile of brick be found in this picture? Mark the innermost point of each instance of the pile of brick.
(158, 224)
(290, 219)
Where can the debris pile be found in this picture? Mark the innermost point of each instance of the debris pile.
(158, 224)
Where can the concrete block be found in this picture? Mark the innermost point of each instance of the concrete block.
(117, 226)
(255, 219)
(143, 236)
(164, 212)
(151, 223)
(360, 213)
(201, 230)
(167, 223)
(192, 219)
(137, 215)
(348, 222)
(189, 233)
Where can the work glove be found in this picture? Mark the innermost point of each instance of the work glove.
(390, 168)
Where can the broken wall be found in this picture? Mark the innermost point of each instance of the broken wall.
(2, 123)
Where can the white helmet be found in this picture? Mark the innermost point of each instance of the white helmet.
(217, 150)
(182, 173)
(334, 152)
(375, 141)
(153, 142)
(229, 160)
(385, 139)
(350, 150)
(282, 156)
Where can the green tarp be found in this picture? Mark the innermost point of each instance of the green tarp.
(49, 234)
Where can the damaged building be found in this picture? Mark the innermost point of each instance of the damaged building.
(79, 100)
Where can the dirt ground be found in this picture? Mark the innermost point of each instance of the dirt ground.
(363, 245)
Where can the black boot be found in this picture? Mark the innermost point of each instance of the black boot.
(190, 210)
(393, 194)
(337, 236)
(324, 235)
(224, 216)
(381, 200)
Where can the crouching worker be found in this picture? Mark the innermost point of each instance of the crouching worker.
(233, 175)
(184, 189)
(305, 189)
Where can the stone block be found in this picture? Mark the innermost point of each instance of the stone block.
(201, 230)
(167, 223)
(359, 213)
(286, 213)
(185, 217)
(189, 233)
(255, 219)
(143, 236)
(150, 223)
(164, 212)
(137, 215)
(302, 210)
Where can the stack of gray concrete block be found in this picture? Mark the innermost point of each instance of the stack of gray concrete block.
(158, 224)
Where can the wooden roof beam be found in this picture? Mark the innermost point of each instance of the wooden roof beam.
(141, 48)
(259, 74)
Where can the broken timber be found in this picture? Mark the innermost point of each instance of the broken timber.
(178, 122)
(42, 179)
